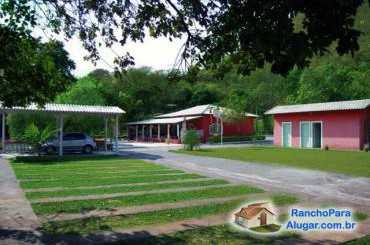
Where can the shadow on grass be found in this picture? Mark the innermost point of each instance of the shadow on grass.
(53, 159)
(194, 234)
(193, 151)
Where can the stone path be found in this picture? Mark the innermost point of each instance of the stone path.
(124, 194)
(15, 211)
(115, 185)
(147, 208)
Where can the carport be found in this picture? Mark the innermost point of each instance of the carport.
(61, 110)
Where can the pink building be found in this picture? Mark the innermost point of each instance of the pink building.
(342, 125)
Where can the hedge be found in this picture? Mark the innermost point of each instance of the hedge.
(236, 138)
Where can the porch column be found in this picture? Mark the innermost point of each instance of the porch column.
(137, 132)
(159, 132)
(183, 128)
(116, 133)
(61, 135)
(168, 131)
(178, 131)
(105, 133)
(150, 131)
(143, 132)
(3, 131)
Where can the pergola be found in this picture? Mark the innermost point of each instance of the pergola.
(61, 110)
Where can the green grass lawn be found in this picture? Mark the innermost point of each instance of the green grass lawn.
(121, 189)
(107, 204)
(90, 225)
(345, 162)
(361, 241)
(97, 174)
(78, 182)
(93, 176)
(266, 228)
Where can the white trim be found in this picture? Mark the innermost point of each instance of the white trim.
(282, 134)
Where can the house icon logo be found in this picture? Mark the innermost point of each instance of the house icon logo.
(258, 217)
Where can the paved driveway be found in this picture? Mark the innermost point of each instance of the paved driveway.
(15, 211)
(316, 184)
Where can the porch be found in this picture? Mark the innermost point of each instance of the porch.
(158, 130)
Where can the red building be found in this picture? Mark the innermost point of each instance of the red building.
(342, 125)
(169, 127)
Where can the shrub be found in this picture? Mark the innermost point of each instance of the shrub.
(236, 138)
(259, 137)
(191, 140)
(217, 139)
(367, 147)
(35, 137)
(326, 148)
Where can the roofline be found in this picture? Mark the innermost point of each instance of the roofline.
(310, 111)
(188, 115)
(269, 112)
(35, 108)
(262, 208)
(208, 106)
(155, 118)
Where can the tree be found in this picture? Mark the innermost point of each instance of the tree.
(31, 71)
(253, 33)
(332, 82)
(86, 91)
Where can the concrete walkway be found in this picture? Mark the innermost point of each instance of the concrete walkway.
(319, 185)
(16, 212)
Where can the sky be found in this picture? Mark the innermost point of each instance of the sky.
(159, 54)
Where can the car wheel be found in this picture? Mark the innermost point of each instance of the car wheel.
(50, 150)
(87, 149)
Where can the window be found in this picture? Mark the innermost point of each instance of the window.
(74, 136)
